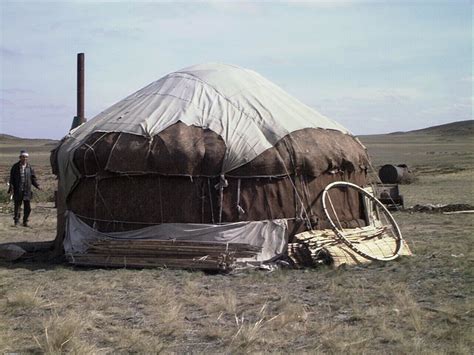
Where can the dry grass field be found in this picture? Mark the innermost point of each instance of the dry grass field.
(421, 304)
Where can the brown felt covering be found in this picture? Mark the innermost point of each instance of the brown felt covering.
(165, 199)
(171, 179)
(177, 150)
(190, 150)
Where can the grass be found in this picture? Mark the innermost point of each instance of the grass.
(422, 304)
(24, 301)
(424, 153)
(62, 334)
(379, 307)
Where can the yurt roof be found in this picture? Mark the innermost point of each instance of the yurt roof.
(249, 112)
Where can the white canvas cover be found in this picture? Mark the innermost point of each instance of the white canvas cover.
(271, 235)
(250, 113)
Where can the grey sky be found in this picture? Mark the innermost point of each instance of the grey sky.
(372, 66)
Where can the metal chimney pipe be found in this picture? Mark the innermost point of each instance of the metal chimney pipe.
(80, 117)
(80, 88)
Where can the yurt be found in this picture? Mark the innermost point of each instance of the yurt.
(212, 152)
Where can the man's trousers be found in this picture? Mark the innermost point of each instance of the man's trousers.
(26, 210)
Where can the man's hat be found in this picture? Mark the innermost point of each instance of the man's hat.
(24, 153)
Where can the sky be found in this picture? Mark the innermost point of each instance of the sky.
(373, 66)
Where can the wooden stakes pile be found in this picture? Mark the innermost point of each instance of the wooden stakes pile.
(210, 256)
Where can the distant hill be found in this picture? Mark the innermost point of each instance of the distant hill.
(8, 139)
(39, 150)
(459, 128)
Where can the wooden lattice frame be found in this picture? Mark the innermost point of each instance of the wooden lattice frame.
(340, 231)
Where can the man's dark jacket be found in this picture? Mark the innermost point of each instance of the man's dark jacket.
(15, 182)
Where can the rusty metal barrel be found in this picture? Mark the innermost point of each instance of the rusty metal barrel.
(394, 174)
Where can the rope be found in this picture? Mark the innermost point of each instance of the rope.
(294, 185)
(114, 220)
(306, 193)
(95, 201)
(153, 224)
(203, 199)
(220, 185)
(161, 199)
(221, 197)
(103, 201)
(238, 193)
(240, 210)
(269, 208)
(91, 148)
(210, 200)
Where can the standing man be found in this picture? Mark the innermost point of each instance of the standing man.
(22, 176)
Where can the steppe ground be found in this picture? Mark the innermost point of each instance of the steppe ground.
(420, 304)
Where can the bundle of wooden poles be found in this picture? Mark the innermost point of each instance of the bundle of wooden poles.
(324, 247)
(210, 256)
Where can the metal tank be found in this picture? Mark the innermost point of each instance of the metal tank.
(394, 174)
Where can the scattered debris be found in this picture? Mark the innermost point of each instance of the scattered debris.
(442, 208)
(459, 212)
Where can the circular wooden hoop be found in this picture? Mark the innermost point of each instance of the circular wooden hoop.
(339, 233)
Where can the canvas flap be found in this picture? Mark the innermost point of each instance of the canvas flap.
(271, 235)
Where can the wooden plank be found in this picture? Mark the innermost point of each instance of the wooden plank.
(133, 262)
